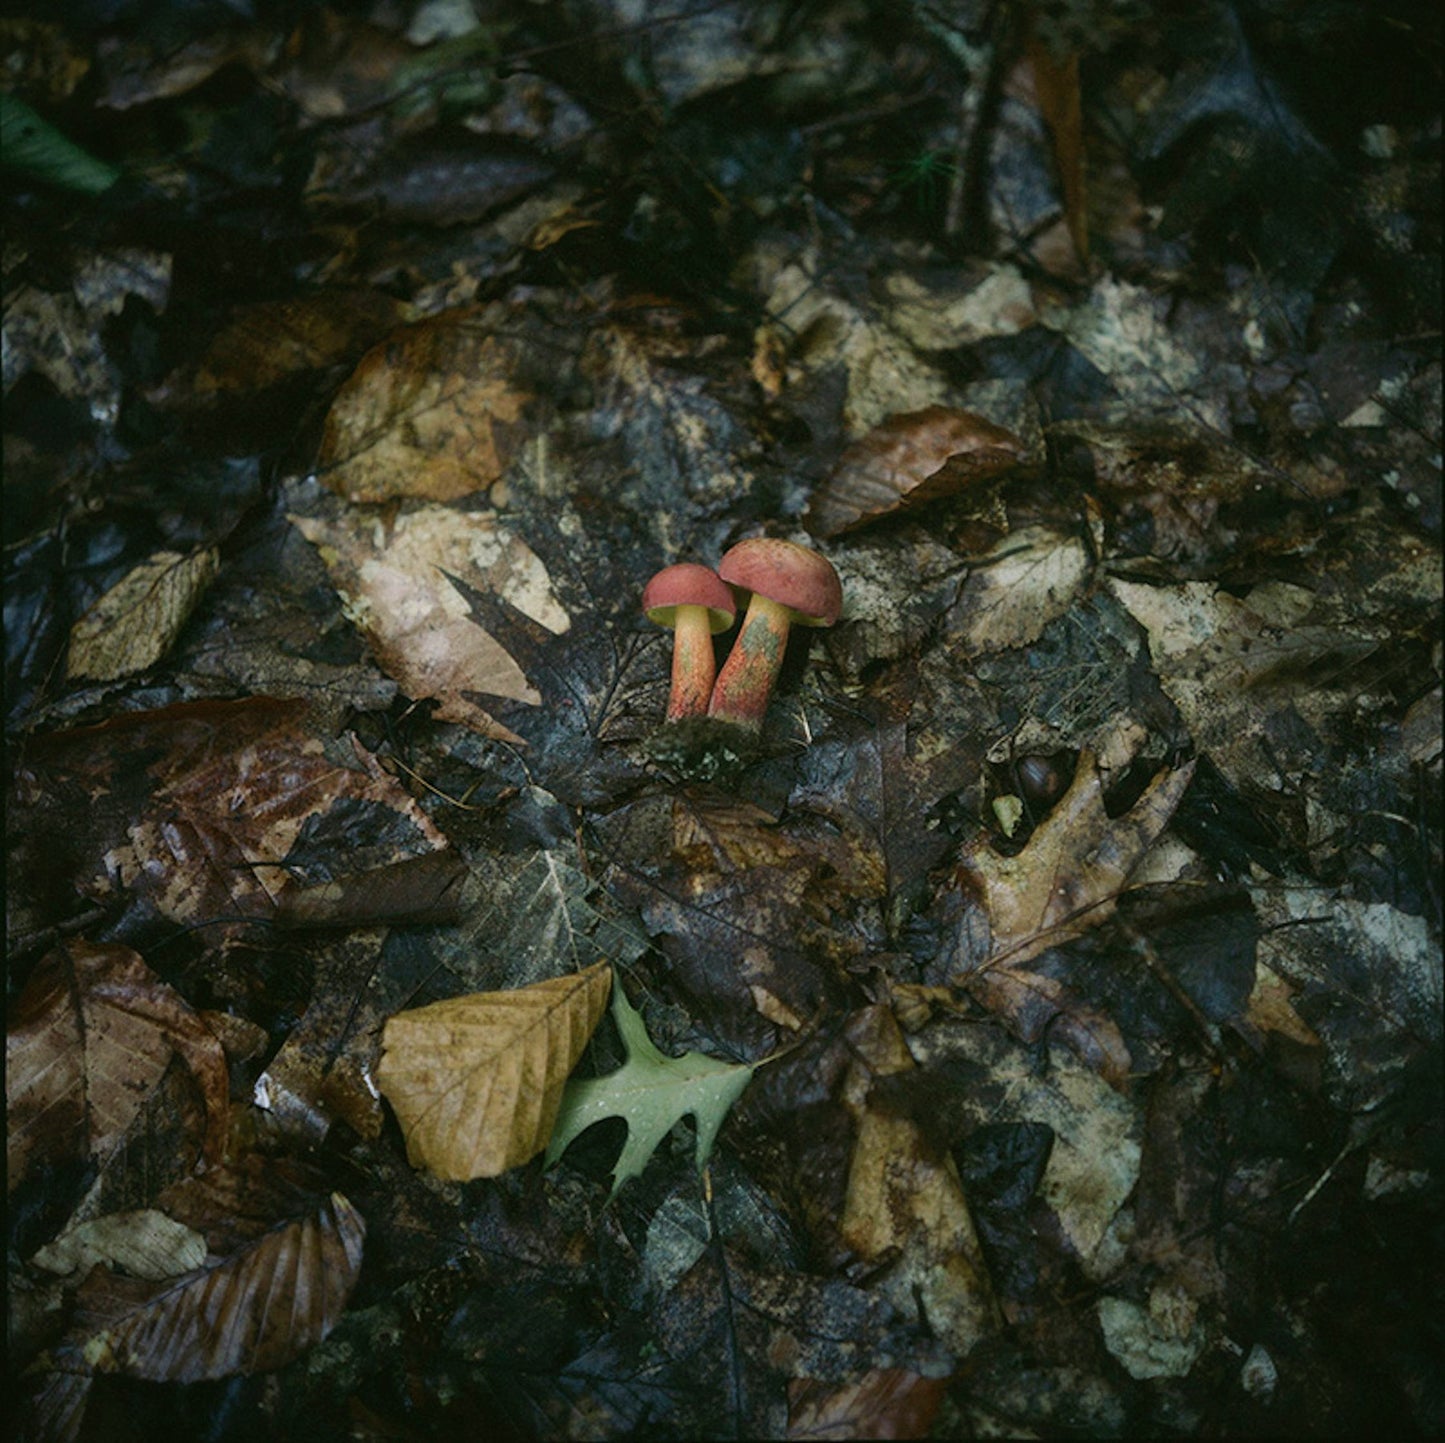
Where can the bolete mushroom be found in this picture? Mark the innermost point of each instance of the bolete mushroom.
(790, 585)
(695, 603)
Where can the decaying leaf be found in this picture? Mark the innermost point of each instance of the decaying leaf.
(405, 587)
(476, 1082)
(883, 1403)
(910, 459)
(1032, 577)
(145, 1243)
(246, 799)
(269, 341)
(905, 1205)
(435, 412)
(92, 1035)
(133, 625)
(1069, 876)
(246, 1313)
(650, 1092)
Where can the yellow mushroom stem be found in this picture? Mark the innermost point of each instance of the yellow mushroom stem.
(692, 663)
(745, 683)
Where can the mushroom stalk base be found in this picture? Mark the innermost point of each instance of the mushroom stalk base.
(692, 664)
(745, 683)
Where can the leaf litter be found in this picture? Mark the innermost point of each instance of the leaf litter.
(1080, 891)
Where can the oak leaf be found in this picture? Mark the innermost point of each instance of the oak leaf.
(476, 1081)
(650, 1092)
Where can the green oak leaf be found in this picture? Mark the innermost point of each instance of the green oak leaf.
(650, 1092)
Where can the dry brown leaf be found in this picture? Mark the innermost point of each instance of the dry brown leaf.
(905, 1204)
(476, 1081)
(249, 1312)
(133, 625)
(398, 588)
(912, 458)
(883, 1403)
(92, 1035)
(435, 412)
(1060, 98)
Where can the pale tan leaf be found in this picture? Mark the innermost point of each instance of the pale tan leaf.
(93, 1034)
(145, 1243)
(476, 1081)
(400, 587)
(245, 1313)
(133, 625)
(1070, 875)
(1032, 577)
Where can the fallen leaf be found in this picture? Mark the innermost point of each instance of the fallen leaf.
(246, 1313)
(910, 459)
(436, 412)
(92, 1035)
(133, 625)
(650, 1092)
(1070, 875)
(266, 343)
(146, 1243)
(883, 1403)
(1030, 578)
(476, 1082)
(904, 1205)
(406, 588)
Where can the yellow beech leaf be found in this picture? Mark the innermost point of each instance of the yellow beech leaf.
(476, 1081)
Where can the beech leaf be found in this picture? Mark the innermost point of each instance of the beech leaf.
(476, 1081)
(245, 1313)
(650, 1092)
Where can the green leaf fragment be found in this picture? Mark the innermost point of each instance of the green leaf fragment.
(30, 144)
(650, 1092)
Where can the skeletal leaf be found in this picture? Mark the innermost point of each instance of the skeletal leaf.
(476, 1081)
(650, 1092)
(133, 625)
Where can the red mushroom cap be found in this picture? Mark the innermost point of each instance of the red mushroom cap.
(791, 575)
(688, 584)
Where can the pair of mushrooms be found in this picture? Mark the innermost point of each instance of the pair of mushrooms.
(787, 585)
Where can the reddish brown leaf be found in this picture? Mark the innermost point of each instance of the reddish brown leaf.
(910, 459)
(1056, 84)
(93, 1034)
(883, 1403)
(245, 1313)
(227, 804)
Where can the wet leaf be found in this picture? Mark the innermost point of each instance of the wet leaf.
(910, 459)
(92, 1035)
(266, 343)
(476, 1082)
(905, 1205)
(145, 1243)
(883, 1403)
(248, 1312)
(133, 625)
(650, 1092)
(408, 589)
(436, 412)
